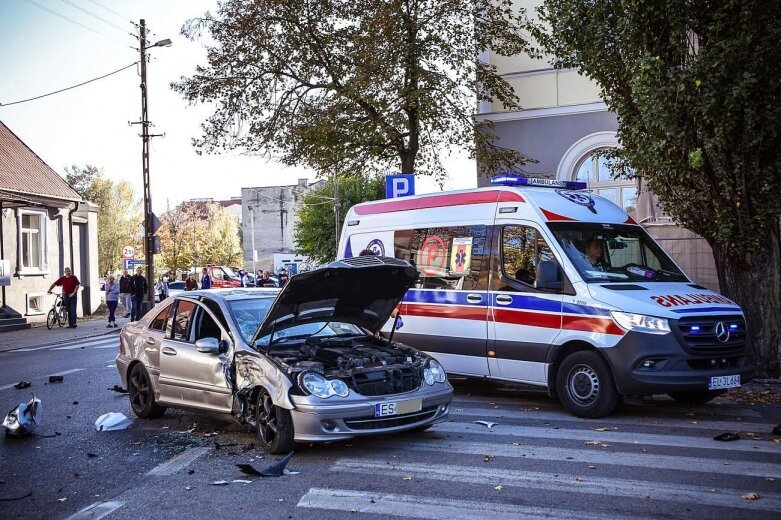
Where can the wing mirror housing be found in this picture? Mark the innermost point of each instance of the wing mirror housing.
(209, 346)
(549, 276)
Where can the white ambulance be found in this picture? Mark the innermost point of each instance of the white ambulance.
(540, 282)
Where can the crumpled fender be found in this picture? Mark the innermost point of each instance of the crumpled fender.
(254, 370)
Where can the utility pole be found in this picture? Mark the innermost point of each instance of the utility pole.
(336, 208)
(254, 253)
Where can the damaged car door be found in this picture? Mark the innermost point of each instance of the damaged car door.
(195, 358)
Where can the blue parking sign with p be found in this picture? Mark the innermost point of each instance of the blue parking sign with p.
(401, 185)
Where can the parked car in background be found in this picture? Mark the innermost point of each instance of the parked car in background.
(223, 276)
(177, 287)
(299, 365)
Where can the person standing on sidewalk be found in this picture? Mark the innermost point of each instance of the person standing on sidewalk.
(70, 288)
(206, 280)
(138, 291)
(124, 293)
(112, 299)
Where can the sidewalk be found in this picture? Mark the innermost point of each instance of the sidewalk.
(39, 335)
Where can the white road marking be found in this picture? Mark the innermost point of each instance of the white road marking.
(610, 436)
(178, 462)
(63, 346)
(96, 511)
(412, 506)
(91, 344)
(598, 456)
(723, 497)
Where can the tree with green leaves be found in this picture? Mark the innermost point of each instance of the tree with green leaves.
(315, 231)
(696, 86)
(355, 85)
(222, 245)
(118, 217)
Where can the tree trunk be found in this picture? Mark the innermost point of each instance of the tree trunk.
(754, 283)
(407, 161)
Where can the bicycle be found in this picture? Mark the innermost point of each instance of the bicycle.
(58, 313)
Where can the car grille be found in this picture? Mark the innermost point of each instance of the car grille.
(386, 382)
(699, 334)
(389, 422)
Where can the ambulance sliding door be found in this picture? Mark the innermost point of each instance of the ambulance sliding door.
(523, 321)
(446, 313)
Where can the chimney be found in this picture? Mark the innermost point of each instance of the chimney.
(303, 183)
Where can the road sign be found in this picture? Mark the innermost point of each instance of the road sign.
(402, 185)
(128, 251)
(131, 263)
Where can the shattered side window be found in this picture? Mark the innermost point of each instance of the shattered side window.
(158, 323)
(183, 313)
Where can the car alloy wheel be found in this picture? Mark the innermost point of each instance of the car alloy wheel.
(142, 396)
(274, 425)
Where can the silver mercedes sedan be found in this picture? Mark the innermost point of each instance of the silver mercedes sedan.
(302, 364)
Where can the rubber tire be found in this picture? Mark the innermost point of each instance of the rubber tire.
(63, 317)
(607, 397)
(696, 397)
(51, 318)
(144, 406)
(281, 435)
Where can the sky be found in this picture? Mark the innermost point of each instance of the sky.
(52, 44)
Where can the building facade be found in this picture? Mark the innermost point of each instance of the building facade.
(268, 220)
(45, 226)
(563, 123)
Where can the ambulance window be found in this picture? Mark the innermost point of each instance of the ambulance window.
(523, 248)
(449, 257)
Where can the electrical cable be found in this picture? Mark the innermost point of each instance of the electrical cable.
(71, 20)
(108, 9)
(90, 13)
(68, 88)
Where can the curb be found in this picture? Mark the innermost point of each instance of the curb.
(62, 342)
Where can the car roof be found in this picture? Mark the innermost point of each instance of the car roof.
(234, 293)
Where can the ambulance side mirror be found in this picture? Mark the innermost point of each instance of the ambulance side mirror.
(549, 276)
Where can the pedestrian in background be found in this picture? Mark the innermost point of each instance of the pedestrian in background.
(282, 277)
(266, 280)
(112, 300)
(206, 280)
(190, 284)
(161, 287)
(70, 288)
(124, 293)
(138, 287)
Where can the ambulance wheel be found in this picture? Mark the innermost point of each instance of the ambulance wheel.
(585, 385)
(696, 397)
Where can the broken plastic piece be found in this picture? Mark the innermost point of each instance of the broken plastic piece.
(56, 379)
(24, 419)
(22, 384)
(275, 470)
(487, 424)
(118, 389)
(726, 437)
(220, 483)
(242, 481)
(112, 421)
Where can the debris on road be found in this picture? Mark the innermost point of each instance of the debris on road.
(751, 496)
(118, 389)
(113, 421)
(24, 418)
(487, 424)
(242, 481)
(56, 379)
(220, 483)
(499, 487)
(275, 470)
(22, 384)
(726, 437)
(29, 494)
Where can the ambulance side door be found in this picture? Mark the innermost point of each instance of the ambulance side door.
(524, 321)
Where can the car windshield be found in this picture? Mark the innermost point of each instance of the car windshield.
(615, 253)
(230, 272)
(249, 313)
(319, 329)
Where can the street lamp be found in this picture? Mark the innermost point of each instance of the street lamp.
(145, 136)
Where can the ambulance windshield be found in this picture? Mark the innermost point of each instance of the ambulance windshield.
(615, 253)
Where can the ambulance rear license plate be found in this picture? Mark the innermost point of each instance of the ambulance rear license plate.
(397, 408)
(718, 382)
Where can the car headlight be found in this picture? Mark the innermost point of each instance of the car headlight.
(428, 376)
(319, 386)
(437, 371)
(641, 323)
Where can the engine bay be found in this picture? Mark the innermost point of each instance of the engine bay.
(369, 365)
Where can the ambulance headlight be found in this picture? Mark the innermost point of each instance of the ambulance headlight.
(641, 323)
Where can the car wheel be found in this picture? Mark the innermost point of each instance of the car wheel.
(274, 426)
(585, 385)
(51, 318)
(696, 397)
(142, 395)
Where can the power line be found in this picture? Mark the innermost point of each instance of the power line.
(69, 88)
(90, 13)
(108, 9)
(55, 13)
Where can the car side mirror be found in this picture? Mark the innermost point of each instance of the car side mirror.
(208, 346)
(549, 276)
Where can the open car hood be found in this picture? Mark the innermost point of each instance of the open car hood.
(363, 291)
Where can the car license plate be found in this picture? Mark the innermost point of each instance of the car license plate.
(717, 382)
(397, 408)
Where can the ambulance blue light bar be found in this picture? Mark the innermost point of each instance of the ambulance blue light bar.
(507, 179)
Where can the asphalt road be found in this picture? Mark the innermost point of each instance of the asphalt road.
(655, 460)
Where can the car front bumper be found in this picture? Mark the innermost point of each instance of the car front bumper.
(315, 420)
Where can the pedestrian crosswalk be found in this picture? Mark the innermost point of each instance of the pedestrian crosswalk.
(100, 342)
(544, 463)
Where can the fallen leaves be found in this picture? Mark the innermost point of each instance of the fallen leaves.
(601, 444)
(488, 458)
(579, 479)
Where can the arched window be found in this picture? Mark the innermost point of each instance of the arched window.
(593, 169)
